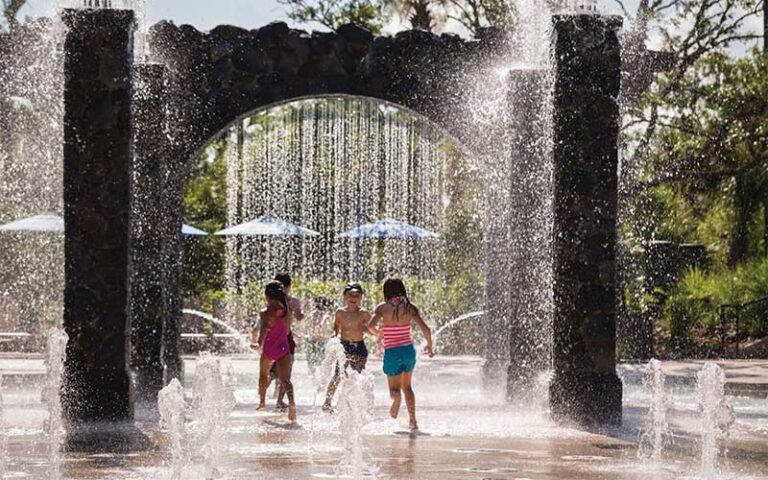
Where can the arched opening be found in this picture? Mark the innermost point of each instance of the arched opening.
(331, 163)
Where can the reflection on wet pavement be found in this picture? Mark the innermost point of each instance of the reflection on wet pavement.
(471, 434)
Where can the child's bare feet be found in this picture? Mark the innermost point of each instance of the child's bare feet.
(261, 406)
(413, 426)
(394, 410)
(292, 413)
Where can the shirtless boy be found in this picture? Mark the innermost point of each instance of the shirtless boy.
(351, 323)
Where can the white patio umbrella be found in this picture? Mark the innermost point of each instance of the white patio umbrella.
(192, 231)
(50, 222)
(387, 228)
(47, 222)
(268, 225)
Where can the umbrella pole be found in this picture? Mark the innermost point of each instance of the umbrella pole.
(379, 260)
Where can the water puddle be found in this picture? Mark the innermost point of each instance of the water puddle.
(584, 458)
(491, 470)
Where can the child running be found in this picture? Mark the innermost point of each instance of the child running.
(295, 306)
(396, 315)
(274, 326)
(351, 323)
(316, 332)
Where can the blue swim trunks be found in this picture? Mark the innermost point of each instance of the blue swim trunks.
(399, 360)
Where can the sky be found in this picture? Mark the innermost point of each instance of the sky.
(206, 14)
(203, 14)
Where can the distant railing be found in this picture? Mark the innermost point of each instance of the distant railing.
(733, 315)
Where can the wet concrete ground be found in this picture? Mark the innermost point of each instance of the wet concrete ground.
(470, 433)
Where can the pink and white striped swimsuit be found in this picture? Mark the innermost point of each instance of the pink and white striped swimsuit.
(396, 335)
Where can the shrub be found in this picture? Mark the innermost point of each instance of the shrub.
(691, 310)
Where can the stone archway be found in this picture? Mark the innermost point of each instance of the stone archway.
(209, 79)
(214, 77)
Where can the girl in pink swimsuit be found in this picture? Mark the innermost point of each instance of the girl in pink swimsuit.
(273, 328)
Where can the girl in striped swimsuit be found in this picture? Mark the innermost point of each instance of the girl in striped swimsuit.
(396, 315)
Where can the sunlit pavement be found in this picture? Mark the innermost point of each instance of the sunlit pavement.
(469, 433)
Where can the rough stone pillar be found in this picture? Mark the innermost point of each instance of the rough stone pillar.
(97, 168)
(182, 52)
(529, 246)
(147, 300)
(585, 388)
(173, 195)
(498, 278)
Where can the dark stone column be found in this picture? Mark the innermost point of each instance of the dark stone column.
(147, 300)
(498, 285)
(529, 247)
(183, 51)
(497, 270)
(97, 169)
(585, 387)
(173, 204)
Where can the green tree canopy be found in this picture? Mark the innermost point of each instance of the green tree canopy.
(712, 152)
(424, 14)
(334, 13)
(11, 11)
(205, 207)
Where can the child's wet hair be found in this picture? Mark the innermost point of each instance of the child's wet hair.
(323, 303)
(284, 278)
(394, 287)
(275, 290)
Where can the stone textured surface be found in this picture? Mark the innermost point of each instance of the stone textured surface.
(147, 291)
(527, 218)
(585, 387)
(229, 71)
(172, 204)
(97, 165)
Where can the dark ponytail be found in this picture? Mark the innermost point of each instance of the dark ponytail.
(275, 290)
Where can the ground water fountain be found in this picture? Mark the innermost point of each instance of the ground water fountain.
(354, 409)
(172, 407)
(451, 323)
(241, 339)
(3, 435)
(656, 432)
(213, 403)
(355, 392)
(716, 416)
(54, 426)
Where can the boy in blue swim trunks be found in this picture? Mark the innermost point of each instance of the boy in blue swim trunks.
(351, 323)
